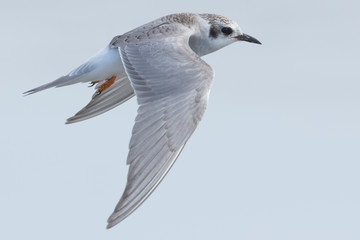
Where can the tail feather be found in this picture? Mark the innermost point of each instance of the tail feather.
(62, 81)
(99, 68)
(104, 64)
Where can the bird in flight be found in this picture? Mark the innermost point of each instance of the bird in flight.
(160, 63)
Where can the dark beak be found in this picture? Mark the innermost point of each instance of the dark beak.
(247, 38)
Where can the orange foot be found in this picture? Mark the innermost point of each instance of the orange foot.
(107, 84)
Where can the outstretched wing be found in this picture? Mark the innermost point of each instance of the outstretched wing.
(172, 85)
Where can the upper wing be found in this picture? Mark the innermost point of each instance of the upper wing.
(172, 85)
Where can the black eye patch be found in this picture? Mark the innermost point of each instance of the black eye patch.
(226, 30)
(214, 32)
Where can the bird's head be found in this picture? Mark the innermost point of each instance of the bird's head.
(219, 32)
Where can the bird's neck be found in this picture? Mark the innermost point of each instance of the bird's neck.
(200, 46)
(200, 42)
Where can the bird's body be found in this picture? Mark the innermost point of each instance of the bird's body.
(160, 63)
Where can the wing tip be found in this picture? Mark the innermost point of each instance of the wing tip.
(110, 225)
(70, 120)
(114, 219)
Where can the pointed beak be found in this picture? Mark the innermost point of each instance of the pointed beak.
(247, 38)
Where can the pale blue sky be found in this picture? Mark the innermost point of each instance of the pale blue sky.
(276, 155)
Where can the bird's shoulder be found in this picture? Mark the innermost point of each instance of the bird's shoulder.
(174, 25)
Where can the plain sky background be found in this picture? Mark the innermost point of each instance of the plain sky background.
(276, 155)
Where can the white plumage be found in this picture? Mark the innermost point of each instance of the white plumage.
(160, 63)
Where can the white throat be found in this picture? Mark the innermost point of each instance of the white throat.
(200, 41)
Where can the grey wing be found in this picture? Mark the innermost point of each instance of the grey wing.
(172, 85)
(118, 93)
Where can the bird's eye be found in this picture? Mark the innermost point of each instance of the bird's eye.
(226, 30)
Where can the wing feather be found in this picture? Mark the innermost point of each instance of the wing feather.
(172, 85)
(112, 97)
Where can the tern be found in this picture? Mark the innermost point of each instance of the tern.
(160, 63)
